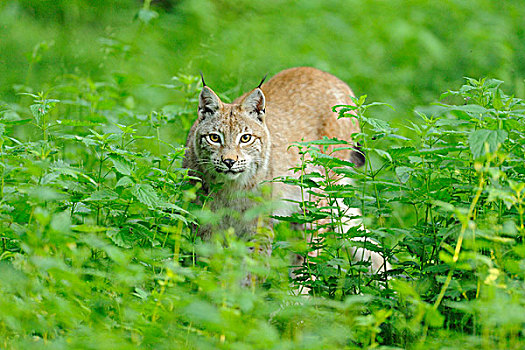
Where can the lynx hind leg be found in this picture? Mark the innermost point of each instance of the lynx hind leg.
(351, 219)
(342, 129)
(378, 263)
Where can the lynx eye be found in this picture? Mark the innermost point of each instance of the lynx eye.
(215, 138)
(246, 138)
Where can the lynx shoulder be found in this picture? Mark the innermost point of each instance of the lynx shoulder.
(247, 142)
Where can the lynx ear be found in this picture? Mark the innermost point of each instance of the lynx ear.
(209, 102)
(255, 103)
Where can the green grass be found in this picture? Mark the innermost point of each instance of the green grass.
(97, 242)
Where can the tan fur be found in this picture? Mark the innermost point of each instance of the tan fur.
(299, 107)
(295, 105)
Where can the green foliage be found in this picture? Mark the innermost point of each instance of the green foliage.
(447, 203)
(97, 218)
(98, 249)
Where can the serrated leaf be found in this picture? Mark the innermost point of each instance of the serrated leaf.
(328, 160)
(379, 125)
(403, 173)
(40, 109)
(397, 151)
(480, 138)
(102, 195)
(383, 153)
(124, 182)
(173, 207)
(119, 237)
(121, 165)
(145, 194)
(64, 169)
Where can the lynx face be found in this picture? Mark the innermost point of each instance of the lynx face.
(231, 140)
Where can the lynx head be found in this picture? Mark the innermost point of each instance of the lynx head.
(232, 142)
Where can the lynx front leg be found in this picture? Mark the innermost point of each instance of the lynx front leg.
(260, 251)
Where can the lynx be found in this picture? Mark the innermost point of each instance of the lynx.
(242, 144)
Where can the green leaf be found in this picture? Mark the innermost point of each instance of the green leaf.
(16, 122)
(403, 173)
(102, 195)
(124, 182)
(70, 122)
(86, 228)
(434, 318)
(121, 165)
(479, 140)
(325, 141)
(61, 222)
(146, 15)
(383, 153)
(43, 193)
(146, 194)
(62, 168)
(119, 237)
(379, 125)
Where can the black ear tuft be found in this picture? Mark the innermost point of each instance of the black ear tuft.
(262, 81)
(202, 79)
(357, 156)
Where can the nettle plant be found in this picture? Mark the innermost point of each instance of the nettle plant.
(84, 207)
(93, 177)
(97, 247)
(446, 206)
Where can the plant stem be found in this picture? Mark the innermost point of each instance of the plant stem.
(464, 226)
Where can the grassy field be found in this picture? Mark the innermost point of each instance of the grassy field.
(97, 248)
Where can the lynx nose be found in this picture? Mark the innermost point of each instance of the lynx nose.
(229, 162)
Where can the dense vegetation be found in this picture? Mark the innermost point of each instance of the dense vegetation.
(98, 247)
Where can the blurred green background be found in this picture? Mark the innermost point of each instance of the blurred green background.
(402, 52)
